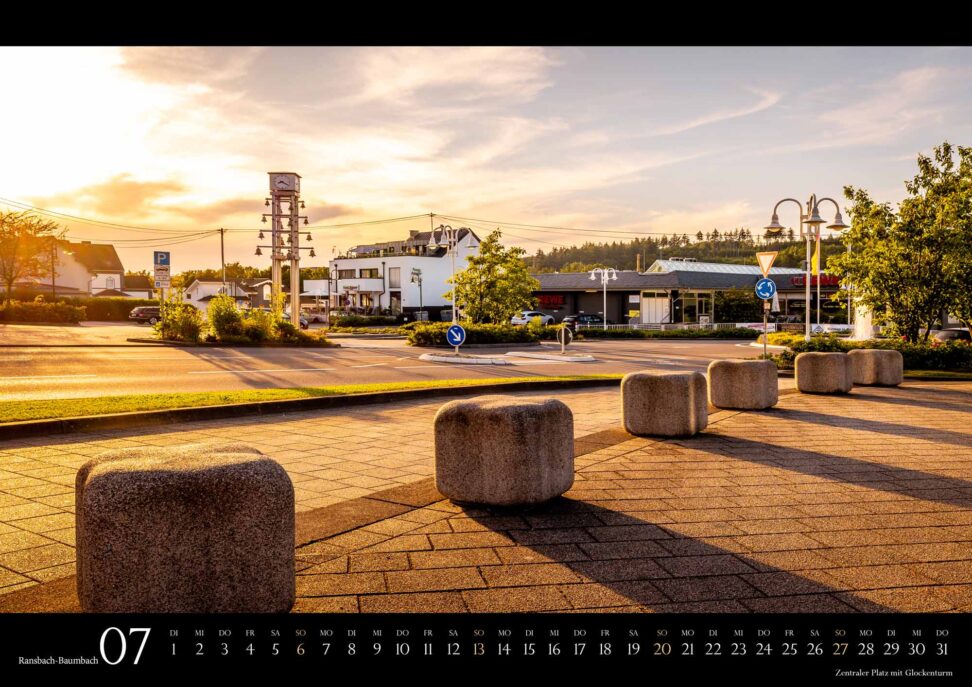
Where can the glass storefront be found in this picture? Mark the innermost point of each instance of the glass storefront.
(694, 304)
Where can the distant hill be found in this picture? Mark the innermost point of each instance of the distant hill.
(737, 246)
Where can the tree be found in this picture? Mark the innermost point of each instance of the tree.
(25, 242)
(496, 284)
(910, 265)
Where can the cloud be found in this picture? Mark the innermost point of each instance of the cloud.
(180, 65)
(883, 112)
(223, 210)
(468, 74)
(766, 101)
(120, 196)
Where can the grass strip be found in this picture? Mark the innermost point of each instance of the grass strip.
(47, 409)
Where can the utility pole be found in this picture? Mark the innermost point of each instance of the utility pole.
(222, 256)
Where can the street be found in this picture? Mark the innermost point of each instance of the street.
(72, 372)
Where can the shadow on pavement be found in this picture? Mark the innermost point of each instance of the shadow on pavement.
(928, 486)
(636, 562)
(865, 425)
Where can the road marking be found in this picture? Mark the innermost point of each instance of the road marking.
(273, 369)
(371, 365)
(51, 377)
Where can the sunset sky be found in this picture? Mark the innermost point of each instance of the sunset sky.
(614, 139)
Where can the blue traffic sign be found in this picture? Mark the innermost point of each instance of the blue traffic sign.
(456, 335)
(765, 288)
(161, 257)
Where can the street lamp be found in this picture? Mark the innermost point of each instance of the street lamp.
(813, 220)
(607, 274)
(452, 240)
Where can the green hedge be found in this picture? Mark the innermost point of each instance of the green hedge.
(734, 333)
(18, 311)
(364, 321)
(109, 309)
(952, 355)
(434, 334)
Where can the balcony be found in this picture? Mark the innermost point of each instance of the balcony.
(360, 285)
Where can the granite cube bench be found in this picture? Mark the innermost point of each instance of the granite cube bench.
(188, 529)
(503, 450)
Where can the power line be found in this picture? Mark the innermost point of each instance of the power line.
(528, 227)
(85, 220)
(354, 224)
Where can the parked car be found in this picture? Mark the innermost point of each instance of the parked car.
(313, 316)
(527, 316)
(587, 319)
(952, 335)
(304, 324)
(145, 314)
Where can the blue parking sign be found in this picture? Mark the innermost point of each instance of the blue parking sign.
(161, 257)
(456, 335)
(765, 288)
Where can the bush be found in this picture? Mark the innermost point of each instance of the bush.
(180, 322)
(734, 333)
(434, 334)
(38, 311)
(224, 317)
(260, 325)
(364, 321)
(254, 332)
(952, 355)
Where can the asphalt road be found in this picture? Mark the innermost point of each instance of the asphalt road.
(71, 372)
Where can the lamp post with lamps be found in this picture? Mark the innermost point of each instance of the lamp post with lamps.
(607, 274)
(813, 220)
(452, 241)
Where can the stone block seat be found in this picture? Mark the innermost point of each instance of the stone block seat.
(667, 404)
(876, 367)
(503, 450)
(823, 373)
(190, 529)
(743, 384)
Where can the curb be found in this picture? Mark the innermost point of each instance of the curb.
(154, 418)
(201, 344)
(464, 360)
(555, 356)
(343, 335)
(89, 345)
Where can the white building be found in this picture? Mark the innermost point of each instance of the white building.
(377, 278)
(87, 269)
(199, 293)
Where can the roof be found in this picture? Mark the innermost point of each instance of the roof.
(106, 293)
(97, 257)
(238, 285)
(239, 296)
(634, 281)
(581, 281)
(138, 281)
(715, 267)
(416, 239)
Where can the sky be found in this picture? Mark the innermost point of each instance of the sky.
(624, 140)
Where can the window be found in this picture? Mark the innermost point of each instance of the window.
(395, 277)
(368, 273)
(109, 282)
(345, 274)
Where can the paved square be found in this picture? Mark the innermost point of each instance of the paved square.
(824, 503)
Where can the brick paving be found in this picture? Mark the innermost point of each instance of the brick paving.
(824, 503)
(332, 456)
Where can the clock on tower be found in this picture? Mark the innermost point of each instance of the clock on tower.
(285, 181)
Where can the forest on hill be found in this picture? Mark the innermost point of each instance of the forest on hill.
(736, 246)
